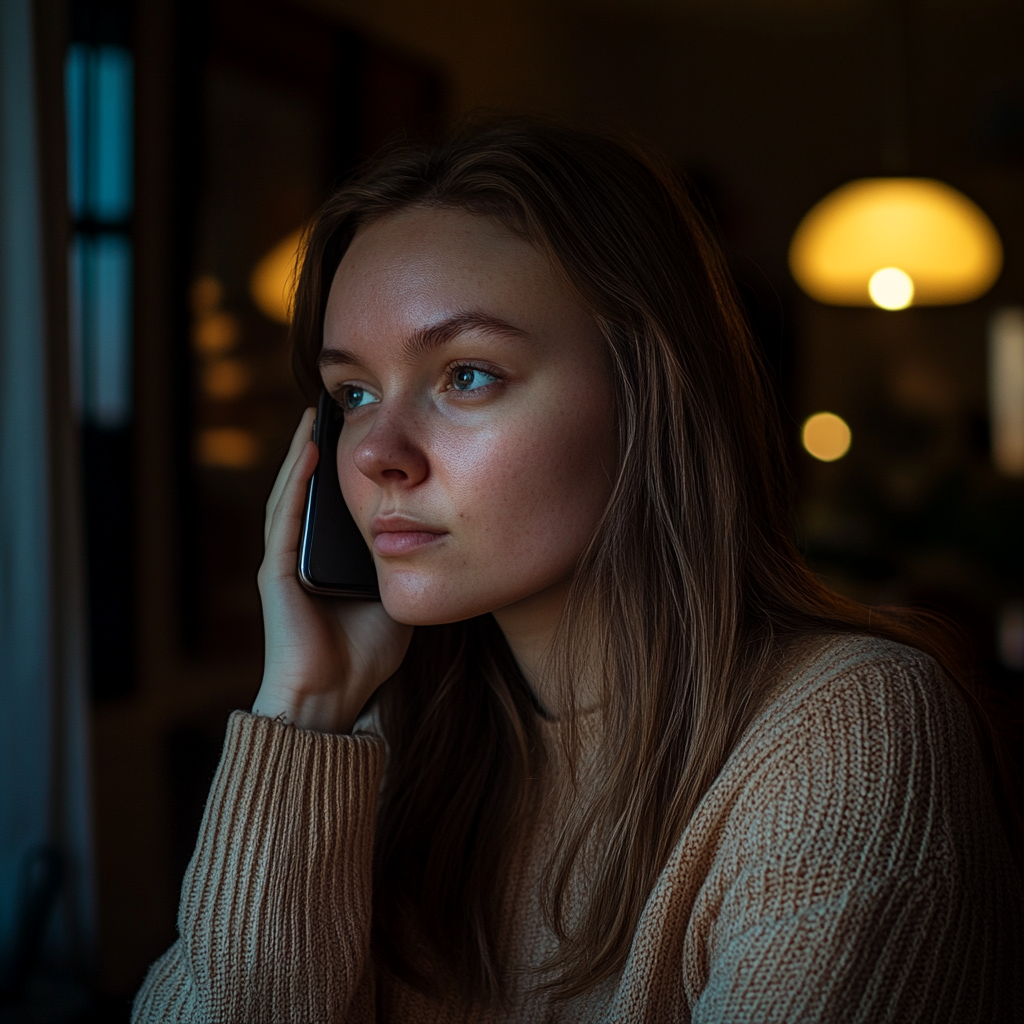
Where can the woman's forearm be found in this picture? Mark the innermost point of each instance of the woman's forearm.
(274, 922)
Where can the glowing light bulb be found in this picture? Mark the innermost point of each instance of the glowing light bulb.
(826, 436)
(891, 288)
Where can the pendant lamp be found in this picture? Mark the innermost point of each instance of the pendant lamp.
(895, 242)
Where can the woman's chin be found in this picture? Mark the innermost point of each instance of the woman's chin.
(424, 604)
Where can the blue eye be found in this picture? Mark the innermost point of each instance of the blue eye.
(469, 378)
(353, 398)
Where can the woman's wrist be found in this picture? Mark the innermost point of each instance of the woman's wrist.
(315, 712)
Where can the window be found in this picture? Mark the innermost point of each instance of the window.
(99, 108)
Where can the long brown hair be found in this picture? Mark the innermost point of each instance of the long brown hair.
(687, 594)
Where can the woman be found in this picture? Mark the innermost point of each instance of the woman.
(640, 763)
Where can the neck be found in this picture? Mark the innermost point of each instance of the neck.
(529, 627)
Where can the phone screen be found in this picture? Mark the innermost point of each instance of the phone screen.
(333, 557)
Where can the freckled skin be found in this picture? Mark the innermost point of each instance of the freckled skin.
(516, 473)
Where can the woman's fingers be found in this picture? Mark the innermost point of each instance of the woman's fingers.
(303, 432)
(283, 532)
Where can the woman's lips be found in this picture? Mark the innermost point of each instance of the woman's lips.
(399, 536)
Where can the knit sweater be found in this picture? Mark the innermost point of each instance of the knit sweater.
(847, 864)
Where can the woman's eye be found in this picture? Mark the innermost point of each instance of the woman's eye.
(353, 398)
(469, 378)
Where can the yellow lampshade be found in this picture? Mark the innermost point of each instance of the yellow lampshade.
(922, 228)
(273, 279)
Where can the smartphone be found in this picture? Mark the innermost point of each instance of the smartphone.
(333, 557)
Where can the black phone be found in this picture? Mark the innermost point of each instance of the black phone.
(333, 557)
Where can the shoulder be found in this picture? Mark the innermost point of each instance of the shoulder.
(838, 663)
(865, 753)
(852, 693)
(848, 853)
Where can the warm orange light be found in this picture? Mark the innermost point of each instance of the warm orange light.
(225, 379)
(272, 283)
(934, 234)
(227, 447)
(826, 436)
(216, 333)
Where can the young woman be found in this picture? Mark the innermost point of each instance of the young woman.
(626, 759)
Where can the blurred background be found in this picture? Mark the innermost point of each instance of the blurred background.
(157, 158)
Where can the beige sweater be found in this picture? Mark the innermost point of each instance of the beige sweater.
(846, 865)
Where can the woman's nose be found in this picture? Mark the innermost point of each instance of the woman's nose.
(390, 453)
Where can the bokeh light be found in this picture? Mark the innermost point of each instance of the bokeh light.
(826, 436)
(227, 448)
(216, 333)
(226, 379)
(273, 280)
(1006, 389)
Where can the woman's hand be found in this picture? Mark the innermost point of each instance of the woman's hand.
(324, 657)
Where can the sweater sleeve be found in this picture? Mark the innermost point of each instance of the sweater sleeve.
(274, 920)
(860, 872)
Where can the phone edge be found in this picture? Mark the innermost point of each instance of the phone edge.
(305, 540)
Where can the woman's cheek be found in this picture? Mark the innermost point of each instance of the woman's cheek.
(528, 517)
(520, 501)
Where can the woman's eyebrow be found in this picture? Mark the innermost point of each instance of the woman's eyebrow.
(336, 357)
(427, 338)
(470, 320)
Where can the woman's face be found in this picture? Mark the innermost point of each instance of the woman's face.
(479, 443)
